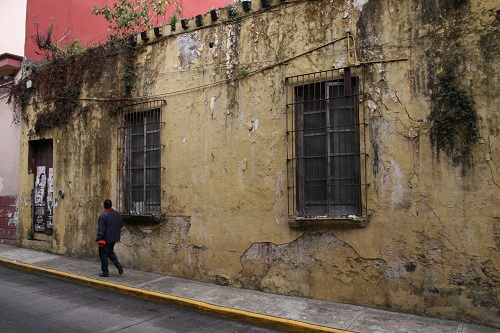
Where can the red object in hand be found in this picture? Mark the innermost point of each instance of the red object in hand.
(101, 243)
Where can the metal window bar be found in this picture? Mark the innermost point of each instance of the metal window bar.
(324, 174)
(139, 159)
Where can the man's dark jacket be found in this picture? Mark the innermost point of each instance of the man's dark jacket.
(109, 226)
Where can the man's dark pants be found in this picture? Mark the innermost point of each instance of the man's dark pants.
(105, 252)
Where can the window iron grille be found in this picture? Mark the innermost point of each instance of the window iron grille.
(139, 159)
(325, 162)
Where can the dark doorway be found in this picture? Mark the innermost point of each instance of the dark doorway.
(40, 164)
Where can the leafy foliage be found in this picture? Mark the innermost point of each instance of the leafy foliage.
(173, 21)
(233, 10)
(133, 16)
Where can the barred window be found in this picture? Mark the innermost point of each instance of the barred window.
(324, 159)
(139, 159)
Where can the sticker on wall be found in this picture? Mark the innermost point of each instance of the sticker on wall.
(50, 194)
(39, 193)
(40, 183)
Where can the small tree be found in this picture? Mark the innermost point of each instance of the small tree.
(51, 49)
(133, 16)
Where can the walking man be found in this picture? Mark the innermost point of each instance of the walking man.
(109, 227)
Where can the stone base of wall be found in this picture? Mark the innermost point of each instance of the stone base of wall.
(8, 220)
(39, 245)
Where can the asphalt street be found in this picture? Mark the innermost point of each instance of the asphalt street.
(24, 308)
(33, 303)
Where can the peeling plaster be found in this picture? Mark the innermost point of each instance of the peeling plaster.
(252, 125)
(190, 48)
(398, 193)
(212, 104)
(372, 106)
(215, 45)
(290, 268)
(398, 270)
(26, 200)
(232, 34)
(14, 218)
(393, 95)
(358, 4)
(340, 63)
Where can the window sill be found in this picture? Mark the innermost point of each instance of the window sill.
(141, 219)
(328, 222)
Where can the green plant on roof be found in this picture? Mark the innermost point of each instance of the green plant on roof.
(133, 16)
(52, 49)
(173, 20)
(233, 10)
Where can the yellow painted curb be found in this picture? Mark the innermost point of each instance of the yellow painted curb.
(220, 311)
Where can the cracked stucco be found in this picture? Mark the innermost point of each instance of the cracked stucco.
(432, 243)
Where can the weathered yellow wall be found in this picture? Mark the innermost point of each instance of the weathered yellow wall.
(432, 244)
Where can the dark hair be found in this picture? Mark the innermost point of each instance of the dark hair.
(108, 203)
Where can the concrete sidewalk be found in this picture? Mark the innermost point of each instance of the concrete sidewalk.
(291, 314)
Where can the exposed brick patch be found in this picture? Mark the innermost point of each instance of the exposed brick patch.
(8, 225)
(8, 201)
(4, 220)
(6, 233)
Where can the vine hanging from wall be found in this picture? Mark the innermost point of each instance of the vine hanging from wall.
(55, 88)
(55, 84)
(454, 116)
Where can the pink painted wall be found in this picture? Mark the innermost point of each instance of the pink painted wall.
(191, 8)
(73, 19)
(9, 146)
(12, 25)
(9, 169)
